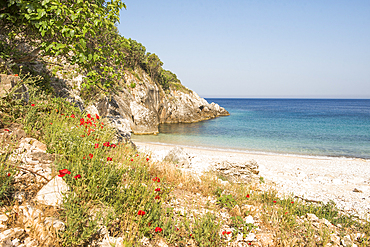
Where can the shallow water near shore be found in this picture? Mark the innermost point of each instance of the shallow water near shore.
(313, 127)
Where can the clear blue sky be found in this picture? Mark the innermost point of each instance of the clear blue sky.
(259, 48)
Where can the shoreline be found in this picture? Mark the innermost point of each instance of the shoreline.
(246, 151)
(346, 181)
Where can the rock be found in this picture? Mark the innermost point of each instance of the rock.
(178, 156)
(11, 234)
(266, 239)
(357, 190)
(52, 193)
(312, 217)
(145, 242)
(346, 241)
(249, 219)
(250, 237)
(9, 83)
(238, 172)
(55, 223)
(335, 238)
(161, 243)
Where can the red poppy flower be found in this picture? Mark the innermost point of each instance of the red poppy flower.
(51, 123)
(132, 159)
(96, 145)
(113, 145)
(247, 196)
(141, 212)
(63, 172)
(158, 229)
(177, 229)
(91, 156)
(77, 176)
(228, 233)
(147, 159)
(249, 244)
(157, 197)
(224, 232)
(274, 201)
(137, 155)
(106, 144)
(291, 202)
(84, 157)
(156, 179)
(15, 74)
(73, 116)
(97, 116)
(109, 159)
(89, 115)
(32, 104)
(8, 174)
(286, 212)
(82, 121)
(6, 130)
(157, 189)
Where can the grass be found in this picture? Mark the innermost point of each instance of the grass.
(120, 191)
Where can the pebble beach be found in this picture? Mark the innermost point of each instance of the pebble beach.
(345, 181)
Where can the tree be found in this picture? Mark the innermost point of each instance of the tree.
(83, 31)
(154, 65)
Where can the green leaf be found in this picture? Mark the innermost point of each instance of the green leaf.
(83, 43)
(45, 2)
(72, 33)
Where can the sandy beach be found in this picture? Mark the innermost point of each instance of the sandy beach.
(345, 181)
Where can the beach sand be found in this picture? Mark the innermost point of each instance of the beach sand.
(345, 181)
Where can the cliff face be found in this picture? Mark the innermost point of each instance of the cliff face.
(138, 106)
(141, 105)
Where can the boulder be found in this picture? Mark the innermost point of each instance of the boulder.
(238, 172)
(178, 156)
(52, 193)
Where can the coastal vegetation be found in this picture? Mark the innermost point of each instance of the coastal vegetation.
(116, 188)
(83, 33)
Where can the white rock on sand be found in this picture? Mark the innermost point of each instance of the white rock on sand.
(345, 181)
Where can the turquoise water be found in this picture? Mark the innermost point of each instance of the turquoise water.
(319, 127)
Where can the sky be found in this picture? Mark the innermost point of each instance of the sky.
(258, 48)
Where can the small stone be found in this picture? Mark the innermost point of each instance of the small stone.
(52, 193)
(249, 219)
(335, 239)
(250, 237)
(3, 218)
(312, 217)
(357, 190)
(346, 241)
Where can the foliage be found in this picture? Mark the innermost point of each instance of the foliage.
(206, 231)
(227, 201)
(82, 31)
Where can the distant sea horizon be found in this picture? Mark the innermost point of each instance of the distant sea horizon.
(304, 127)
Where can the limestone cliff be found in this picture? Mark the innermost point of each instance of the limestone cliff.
(138, 104)
(141, 105)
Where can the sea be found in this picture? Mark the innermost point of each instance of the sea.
(303, 127)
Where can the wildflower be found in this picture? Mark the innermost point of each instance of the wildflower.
(291, 202)
(91, 156)
(286, 212)
(83, 136)
(113, 145)
(147, 159)
(274, 201)
(156, 179)
(73, 116)
(132, 159)
(96, 145)
(141, 212)
(157, 189)
(177, 229)
(15, 74)
(97, 116)
(6, 130)
(106, 144)
(82, 121)
(9, 174)
(84, 157)
(51, 123)
(63, 172)
(137, 155)
(157, 197)
(109, 159)
(89, 115)
(158, 229)
(247, 196)
(32, 104)
(77, 176)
